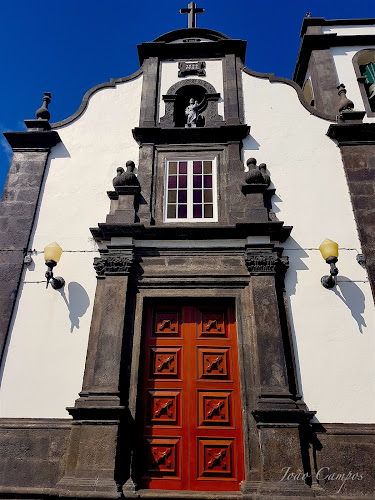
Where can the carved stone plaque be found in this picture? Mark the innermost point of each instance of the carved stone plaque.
(187, 68)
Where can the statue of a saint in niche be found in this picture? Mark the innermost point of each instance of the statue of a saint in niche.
(192, 113)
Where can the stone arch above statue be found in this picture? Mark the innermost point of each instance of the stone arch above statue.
(194, 93)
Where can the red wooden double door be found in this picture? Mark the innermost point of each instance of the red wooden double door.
(190, 400)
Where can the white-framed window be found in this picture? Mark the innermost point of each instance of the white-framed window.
(190, 193)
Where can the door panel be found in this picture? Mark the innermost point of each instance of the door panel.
(190, 408)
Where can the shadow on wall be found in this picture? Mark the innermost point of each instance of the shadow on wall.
(353, 298)
(77, 304)
(249, 144)
(296, 255)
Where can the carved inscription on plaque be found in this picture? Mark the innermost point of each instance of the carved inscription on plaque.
(187, 68)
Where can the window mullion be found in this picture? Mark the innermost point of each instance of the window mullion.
(190, 190)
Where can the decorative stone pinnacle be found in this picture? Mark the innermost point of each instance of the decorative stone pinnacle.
(42, 113)
(254, 175)
(263, 171)
(345, 104)
(192, 12)
(127, 178)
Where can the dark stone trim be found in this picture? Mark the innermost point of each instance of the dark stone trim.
(324, 82)
(361, 81)
(32, 139)
(18, 208)
(321, 21)
(192, 33)
(241, 103)
(344, 429)
(105, 415)
(111, 84)
(276, 230)
(319, 42)
(178, 135)
(357, 145)
(275, 79)
(273, 416)
(231, 102)
(35, 423)
(352, 134)
(199, 50)
(147, 115)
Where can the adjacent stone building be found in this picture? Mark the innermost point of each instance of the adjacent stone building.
(200, 357)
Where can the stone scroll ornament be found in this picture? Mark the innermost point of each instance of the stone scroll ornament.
(114, 265)
(266, 264)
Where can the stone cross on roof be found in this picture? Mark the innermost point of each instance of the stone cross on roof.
(192, 12)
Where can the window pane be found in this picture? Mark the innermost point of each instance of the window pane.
(208, 211)
(172, 181)
(197, 167)
(207, 167)
(172, 167)
(182, 181)
(197, 181)
(208, 195)
(197, 211)
(197, 196)
(171, 211)
(182, 196)
(207, 181)
(182, 211)
(172, 196)
(182, 167)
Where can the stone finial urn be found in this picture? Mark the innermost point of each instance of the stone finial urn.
(42, 113)
(345, 104)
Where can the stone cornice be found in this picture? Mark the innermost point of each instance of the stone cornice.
(181, 135)
(321, 21)
(352, 134)
(201, 50)
(276, 230)
(38, 139)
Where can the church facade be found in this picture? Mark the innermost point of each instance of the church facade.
(193, 351)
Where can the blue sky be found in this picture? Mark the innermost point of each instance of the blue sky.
(67, 46)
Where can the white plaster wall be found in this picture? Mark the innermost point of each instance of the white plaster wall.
(169, 76)
(45, 358)
(349, 30)
(343, 60)
(333, 329)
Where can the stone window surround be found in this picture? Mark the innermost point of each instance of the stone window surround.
(361, 80)
(193, 153)
(198, 157)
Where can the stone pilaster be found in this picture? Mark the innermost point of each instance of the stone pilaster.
(145, 177)
(357, 145)
(98, 412)
(279, 419)
(18, 207)
(124, 203)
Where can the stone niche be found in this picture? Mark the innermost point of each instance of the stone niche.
(177, 99)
